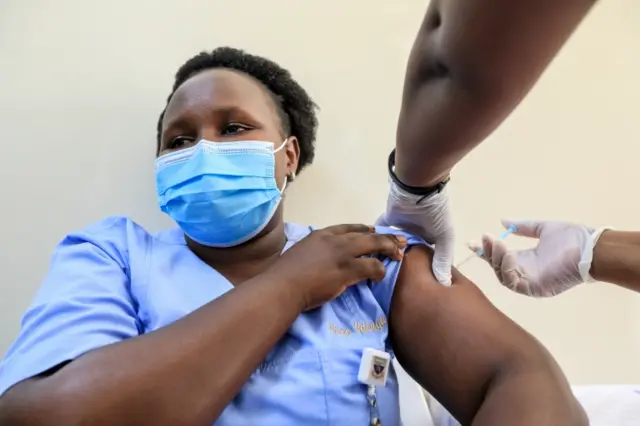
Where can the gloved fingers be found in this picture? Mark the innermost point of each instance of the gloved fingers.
(476, 246)
(531, 271)
(507, 269)
(525, 228)
(523, 286)
(513, 276)
(498, 252)
(489, 253)
(443, 258)
(516, 278)
(487, 247)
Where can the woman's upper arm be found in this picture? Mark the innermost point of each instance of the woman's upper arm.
(83, 304)
(451, 340)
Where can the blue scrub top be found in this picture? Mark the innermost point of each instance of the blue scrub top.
(114, 280)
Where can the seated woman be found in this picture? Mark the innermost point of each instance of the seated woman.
(238, 318)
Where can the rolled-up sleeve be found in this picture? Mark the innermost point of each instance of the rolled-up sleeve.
(383, 291)
(84, 303)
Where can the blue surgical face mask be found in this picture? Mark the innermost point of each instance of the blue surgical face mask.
(220, 193)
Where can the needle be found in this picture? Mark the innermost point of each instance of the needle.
(480, 252)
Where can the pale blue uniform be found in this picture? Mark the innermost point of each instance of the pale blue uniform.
(113, 281)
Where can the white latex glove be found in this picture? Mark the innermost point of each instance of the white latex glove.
(561, 260)
(429, 218)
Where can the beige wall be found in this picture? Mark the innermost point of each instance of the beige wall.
(81, 84)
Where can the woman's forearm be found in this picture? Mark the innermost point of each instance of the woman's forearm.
(616, 259)
(471, 64)
(183, 374)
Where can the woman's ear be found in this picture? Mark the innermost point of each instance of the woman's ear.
(292, 151)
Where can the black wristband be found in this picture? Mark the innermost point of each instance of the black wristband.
(425, 191)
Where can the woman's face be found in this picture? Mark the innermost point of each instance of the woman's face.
(222, 105)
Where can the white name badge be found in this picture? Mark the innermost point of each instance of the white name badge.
(374, 367)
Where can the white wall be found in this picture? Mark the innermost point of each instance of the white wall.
(82, 83)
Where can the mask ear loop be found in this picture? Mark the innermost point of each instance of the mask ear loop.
(282, 145)
(290, 177)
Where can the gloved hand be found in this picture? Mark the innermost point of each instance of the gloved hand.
(560, 261)
(429, 218)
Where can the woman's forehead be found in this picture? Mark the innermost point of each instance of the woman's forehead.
(219, 89)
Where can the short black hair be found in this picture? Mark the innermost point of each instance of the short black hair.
(295, 108)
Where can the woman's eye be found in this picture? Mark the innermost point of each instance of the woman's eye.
(179, 142)
(234, 129)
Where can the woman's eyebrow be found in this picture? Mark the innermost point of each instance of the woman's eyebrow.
(222, 114)
(177, 124)
(230, 112)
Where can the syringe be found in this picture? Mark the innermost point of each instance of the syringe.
(480, 252)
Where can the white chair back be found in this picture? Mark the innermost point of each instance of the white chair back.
(413, 406)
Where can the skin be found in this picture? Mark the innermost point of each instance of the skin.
(479, 364)
(472, 63)
(507, 378)
(616, 259)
